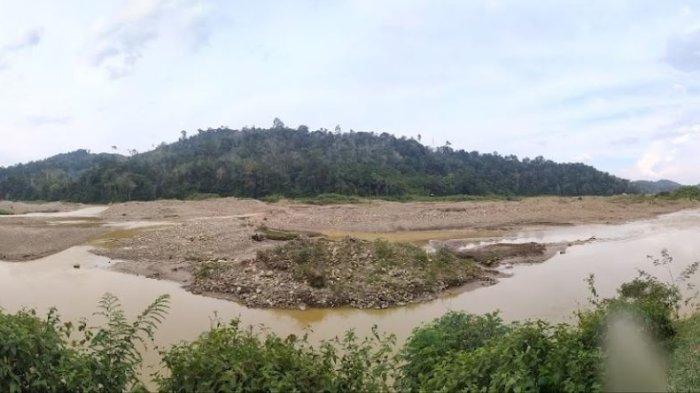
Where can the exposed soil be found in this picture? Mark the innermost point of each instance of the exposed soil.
(224, 229)
(38, 207)
(23, 239)
(383, 216)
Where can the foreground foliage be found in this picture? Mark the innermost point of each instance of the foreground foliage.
(232, 359)
(50, 356)
(685, 358)
(456, 353)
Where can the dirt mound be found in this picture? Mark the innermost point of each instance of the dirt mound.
(494, 253)
(327, 273)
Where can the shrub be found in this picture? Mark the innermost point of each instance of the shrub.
(533, 356)
(42, 356)
(33, 354)
(231, 359)
(454, 332)
(686, 192)
(463, 352)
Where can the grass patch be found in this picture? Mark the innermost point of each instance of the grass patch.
(274, 198)
(263, 232)
(209, 269)
(201, 196)
(453, 198)
(684, 375)
(112, 239)
(4, 212)
(329, 199)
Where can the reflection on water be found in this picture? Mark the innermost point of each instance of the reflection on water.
(633, 361)
(551, 290)
(93, 211)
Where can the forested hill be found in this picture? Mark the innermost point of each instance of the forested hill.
(655, 187)
(296, 162)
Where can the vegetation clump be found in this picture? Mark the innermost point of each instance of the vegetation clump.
(330, 199)
(230, 358)
(4, 212)
(46, 355)
(463, 352)
(686, 192)
(263, 232)
(359, 273)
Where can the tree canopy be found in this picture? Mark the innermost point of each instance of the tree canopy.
(255, 162)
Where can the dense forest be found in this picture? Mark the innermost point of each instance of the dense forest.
(255, 162)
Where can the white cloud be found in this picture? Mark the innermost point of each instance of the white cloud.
(675, 157)
(124, 40)
(27, 40)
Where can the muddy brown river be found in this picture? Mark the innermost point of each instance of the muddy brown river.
(551, 290)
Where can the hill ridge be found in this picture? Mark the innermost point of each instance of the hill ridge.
(256, 162)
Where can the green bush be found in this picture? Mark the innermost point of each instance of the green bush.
(231, 359)
(463, 352)
(43, 356)
(4, 212)
(532, 356)
(34, 356)
(452, 333)
(686, 192)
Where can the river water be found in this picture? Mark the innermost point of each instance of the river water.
(551, 290)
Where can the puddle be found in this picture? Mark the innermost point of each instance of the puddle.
(93, 211)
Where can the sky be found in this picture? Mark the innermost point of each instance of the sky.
(613, 84)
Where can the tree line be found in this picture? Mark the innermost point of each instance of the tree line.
(256, 162)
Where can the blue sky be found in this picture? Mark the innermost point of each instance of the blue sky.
(615, 84)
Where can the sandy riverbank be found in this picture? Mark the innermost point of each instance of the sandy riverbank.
(222, 229)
